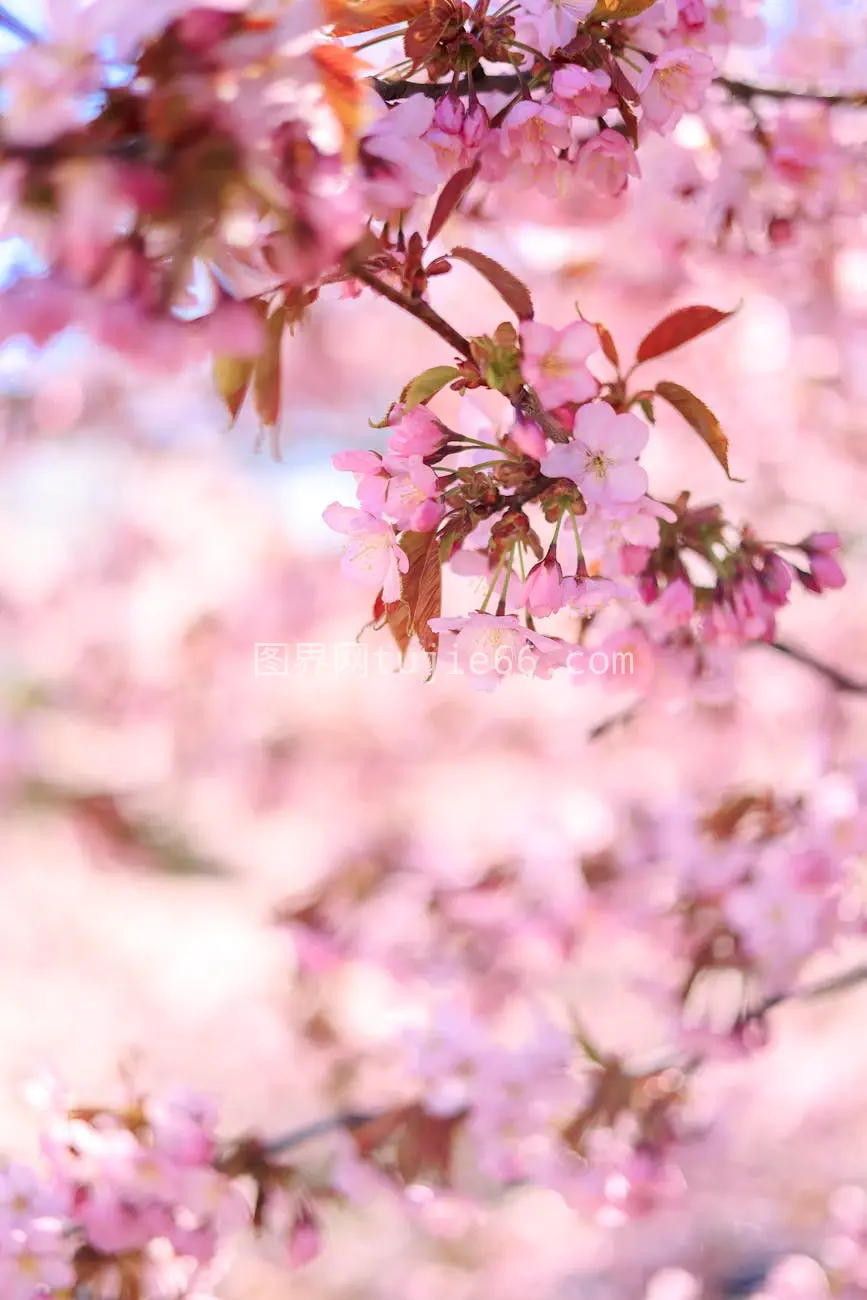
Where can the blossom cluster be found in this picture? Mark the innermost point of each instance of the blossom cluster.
(481, 500)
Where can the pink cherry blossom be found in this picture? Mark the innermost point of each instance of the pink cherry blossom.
(605, 162)
(603, 459)
(534, 133)
(585, 92)
(416, 433)
(556, 21)
(674, 84)
(373, 556)
(553, 361)
(402, 165)
(488, 647)
(542, 592)
(412, 496)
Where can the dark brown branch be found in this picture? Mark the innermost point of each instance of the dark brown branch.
(505, 83)
(416, 307)
(748, 90)
(839, 680)
(508, 83)
(809, 993)
(300, 1136)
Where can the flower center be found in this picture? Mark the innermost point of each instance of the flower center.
(675, 81)
(597, 464)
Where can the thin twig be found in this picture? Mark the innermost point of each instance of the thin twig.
(839, 680)
(809, 993)
(9, 23)
(747, 90)
(300, 1136)
(505, 83)
(416, 307)
(508, 83)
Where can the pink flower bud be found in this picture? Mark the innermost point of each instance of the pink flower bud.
(475, 127)
(450, 114)
(776, 579)
(827, 573)
(305, 1237)
(633, 559)
(529, 439)
(542, 590)
(648, 588)
(822, 542)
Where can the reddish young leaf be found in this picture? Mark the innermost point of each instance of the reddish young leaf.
(513, 292)
(340, 75)
(267, 375)
(368, 1137)
(354, 16)
(421, 585)
(399, 622)
(450, 196)
(232, 377)
(608, 346)
(680, 327)
(700, 418)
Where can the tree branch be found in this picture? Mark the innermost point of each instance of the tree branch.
(300, 1136)
(9, 23)
(747, 90)
(507, 83)
(839, 680)
(416, 307)
(809, 993)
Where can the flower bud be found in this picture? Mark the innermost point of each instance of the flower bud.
(529, 439)
(450, 114)
(475, 127)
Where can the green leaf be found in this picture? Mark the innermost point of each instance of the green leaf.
(699, 417)
(680, 327)
(427, 385)
(513, 291)
(232, 377)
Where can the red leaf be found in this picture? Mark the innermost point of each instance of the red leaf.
(513, 292)
(450, 196)
(608, 346)
(700, 418)
(421, 585)
(368, 1137)
(399, 622)
(267, 375)
(680, 327)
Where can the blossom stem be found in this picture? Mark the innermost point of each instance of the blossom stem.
(501, 608)
(490, 591)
